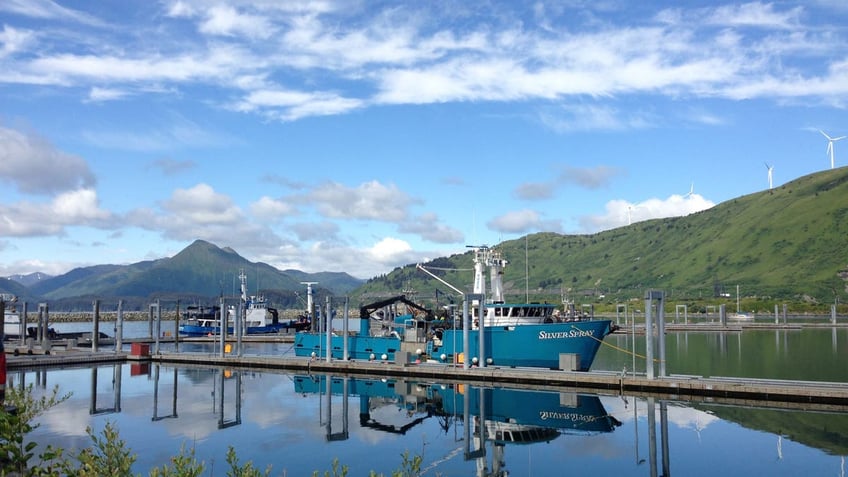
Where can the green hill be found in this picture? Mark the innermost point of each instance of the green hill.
(785, 244)
(198, 273)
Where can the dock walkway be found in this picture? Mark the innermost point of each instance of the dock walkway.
(800, 395)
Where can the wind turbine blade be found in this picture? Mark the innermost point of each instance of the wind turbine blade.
(838, 138)
(829, 148)
(825, 135)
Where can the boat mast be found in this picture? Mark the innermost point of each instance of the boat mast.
(496, 270)
(480, 259)
(243, 279)
(737, 299)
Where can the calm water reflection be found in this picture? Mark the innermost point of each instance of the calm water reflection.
(812, 354)
(298, 424)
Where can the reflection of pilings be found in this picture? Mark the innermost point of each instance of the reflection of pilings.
(636, 429)
(156, 416)
(116, 388)
(666, 459)
(343, 435)
(222, 423)
(155, 393)
(652, 436)
(116, 377)
(220, 404)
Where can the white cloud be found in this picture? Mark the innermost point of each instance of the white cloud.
(13, 40)
(226, 20)
(369, 201)
(35, 166)
(586, 177)
(272, 209)
(619, 213)
(429, 227)
(396, 56)
(523, 221)
(201, 205)
(73, 208)
(106, 94)
(47, 9)
(200, 212)
(756, 14)
(293, 105)
(173, 132)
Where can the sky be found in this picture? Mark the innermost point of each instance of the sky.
(359, 136)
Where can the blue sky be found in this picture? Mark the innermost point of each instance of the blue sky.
(358, 136)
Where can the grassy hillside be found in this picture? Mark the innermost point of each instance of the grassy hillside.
(788, 244)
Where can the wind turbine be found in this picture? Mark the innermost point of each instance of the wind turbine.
(830, 141)
(691, 191)
(770, 170)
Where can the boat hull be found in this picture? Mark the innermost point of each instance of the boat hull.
(197, 330)
(12, 326)
(381, 348)
(534, 346)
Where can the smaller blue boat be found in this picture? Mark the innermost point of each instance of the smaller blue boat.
(257, 317)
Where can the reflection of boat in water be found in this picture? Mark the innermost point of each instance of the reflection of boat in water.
(506, 408)
(257, 317)
(501, 417)
(497, 416)
(513, 334)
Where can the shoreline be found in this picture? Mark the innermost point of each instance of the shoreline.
(110, 316)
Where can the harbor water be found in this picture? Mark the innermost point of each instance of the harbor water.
(298, 424)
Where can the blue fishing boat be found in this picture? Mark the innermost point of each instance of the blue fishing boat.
(513, 334)
(257, 317)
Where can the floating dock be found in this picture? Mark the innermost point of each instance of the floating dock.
(799, 395)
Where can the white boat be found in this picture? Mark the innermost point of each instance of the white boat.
(257, 317)
(739, 316)
(12, 318)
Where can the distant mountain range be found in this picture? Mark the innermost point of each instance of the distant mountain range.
(199, 273)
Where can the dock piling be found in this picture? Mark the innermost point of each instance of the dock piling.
(95, 332)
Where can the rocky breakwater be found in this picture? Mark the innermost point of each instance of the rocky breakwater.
(88, 316)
